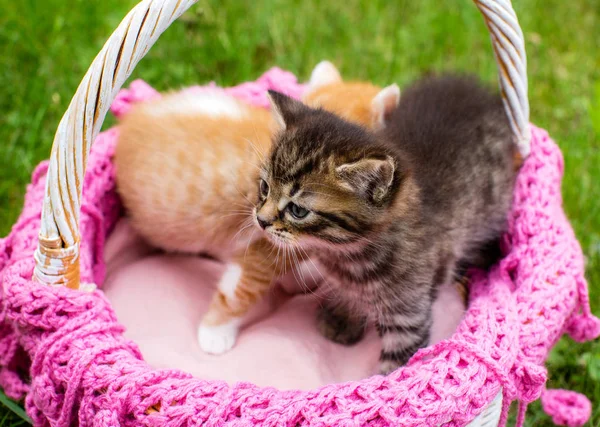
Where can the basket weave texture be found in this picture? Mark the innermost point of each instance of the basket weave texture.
(65, 349)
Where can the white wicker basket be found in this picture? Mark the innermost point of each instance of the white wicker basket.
(57, 256)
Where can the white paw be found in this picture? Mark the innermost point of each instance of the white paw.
(219, 338)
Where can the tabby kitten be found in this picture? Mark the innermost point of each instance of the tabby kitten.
(391, 215)
(186, 170)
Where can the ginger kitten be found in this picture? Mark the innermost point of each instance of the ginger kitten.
(187, 168)
(390, 215)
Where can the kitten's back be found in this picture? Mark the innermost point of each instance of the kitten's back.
(185, 164)
(461, 146)
(441, 119)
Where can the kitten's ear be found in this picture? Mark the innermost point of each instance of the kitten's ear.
(324, 73)
(369, 177)
(383, 104)
(284, 109)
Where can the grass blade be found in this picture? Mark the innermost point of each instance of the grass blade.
(14, 407)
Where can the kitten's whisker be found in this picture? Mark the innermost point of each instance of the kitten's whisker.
(364, 239)
(238, 213)
(235, 214)
(285, 259)
(323, 280)
(242, 229)
(304, 284)
(373, 243)
(248, 245)
(243, 205)
(282, 257)
(255, 148)
(348, 257)
(244, 196)
(240, 210)
(271, 253)
(253, 165)
(258, 139)
(277, 256)
(295, 270)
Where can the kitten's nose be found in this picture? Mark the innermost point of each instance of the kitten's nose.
(263, 224)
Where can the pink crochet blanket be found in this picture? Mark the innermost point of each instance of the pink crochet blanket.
(160, 298)
(66, 352)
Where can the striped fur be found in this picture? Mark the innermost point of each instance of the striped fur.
(391, 215)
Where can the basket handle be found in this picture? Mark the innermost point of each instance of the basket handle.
(57, 255)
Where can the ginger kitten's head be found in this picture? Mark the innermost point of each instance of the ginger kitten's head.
(358, 102)
(326, 181)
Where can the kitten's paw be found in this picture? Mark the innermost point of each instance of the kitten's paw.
(217, 339)
(339, 328)
(388, 366)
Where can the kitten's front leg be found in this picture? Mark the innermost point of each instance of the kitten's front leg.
(402, 334)
(338, 324)
(219, 327)
(245, 281)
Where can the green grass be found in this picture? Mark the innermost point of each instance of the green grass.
(47, 45)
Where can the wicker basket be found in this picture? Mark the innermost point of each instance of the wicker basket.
(57, 257)
(83, 368)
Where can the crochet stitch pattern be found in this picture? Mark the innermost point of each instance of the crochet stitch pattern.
(64, 349)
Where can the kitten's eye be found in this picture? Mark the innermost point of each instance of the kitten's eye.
(297, 212)
(264, 188)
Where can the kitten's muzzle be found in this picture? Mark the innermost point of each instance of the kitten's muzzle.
(262, 223)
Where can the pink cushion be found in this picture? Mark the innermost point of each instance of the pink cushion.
(160, 298)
